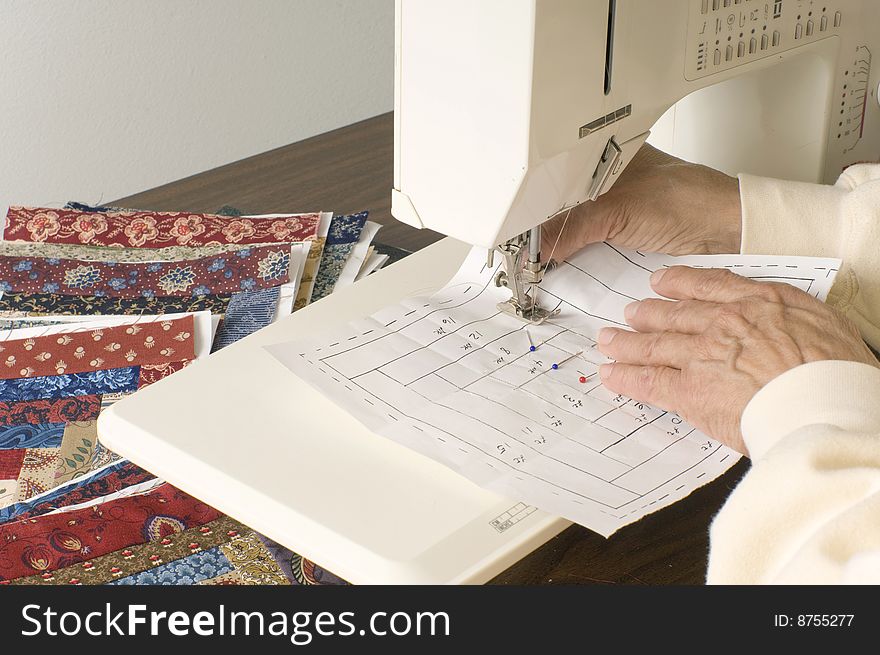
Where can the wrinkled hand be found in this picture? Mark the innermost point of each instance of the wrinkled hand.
(705, 353)
(659, 204)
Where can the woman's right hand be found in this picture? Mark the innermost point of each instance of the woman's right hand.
(659, 204)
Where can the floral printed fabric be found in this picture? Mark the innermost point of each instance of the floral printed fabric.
(137, 229)
(49, 303)
(245, 269)
(50, 410)
(152, 373)
(247, 313)
(252, 561)
(122, 255)
(346, 229)
(297, 569)
(155, 342)
(343, 234)
(333, 261)
(37, 472)
(137, 558)
(161, 544)
(189, 570)
(76, 451)
(118, 380)
(51, 541)
(307, 283)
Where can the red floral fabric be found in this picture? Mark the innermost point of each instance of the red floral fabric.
(152, 373)
(52, 541)
(120, 346)
(140, 229)
(53, 410)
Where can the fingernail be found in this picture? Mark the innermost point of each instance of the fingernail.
(605, 371)
(605, 336)
(656, 276)
(630, 310)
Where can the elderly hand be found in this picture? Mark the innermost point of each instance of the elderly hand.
(705, 353)
(659, 204)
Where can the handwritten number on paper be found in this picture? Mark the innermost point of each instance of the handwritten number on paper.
(575, 402)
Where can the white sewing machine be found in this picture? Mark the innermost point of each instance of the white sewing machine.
(507, 112)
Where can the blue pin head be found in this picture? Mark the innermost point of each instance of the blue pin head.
(531, 349)
(555, 366)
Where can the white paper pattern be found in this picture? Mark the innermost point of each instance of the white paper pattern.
(454, 379)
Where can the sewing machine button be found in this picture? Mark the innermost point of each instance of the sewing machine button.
(764, 41)
(836, 19)
(717, 56)
(728, 53)
(775, 38)
(753, 45)
(809, 28)
(705, 7)
(798, 31)
(823, 24)
(715, 4)
(740, 49)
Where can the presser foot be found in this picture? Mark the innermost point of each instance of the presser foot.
(534, 314)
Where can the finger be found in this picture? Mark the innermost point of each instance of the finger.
(713, 285)
(656, 385)
(646, 349)
(683, 316)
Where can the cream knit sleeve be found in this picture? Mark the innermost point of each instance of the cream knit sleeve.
(797, 218)
(808, 511)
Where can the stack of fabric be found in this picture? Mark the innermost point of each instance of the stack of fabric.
(98, 302)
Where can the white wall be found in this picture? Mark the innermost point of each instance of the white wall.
(100, 99)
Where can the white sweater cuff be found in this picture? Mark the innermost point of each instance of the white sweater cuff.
(839, 393)
(790, 218)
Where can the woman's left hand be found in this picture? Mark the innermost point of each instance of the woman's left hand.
(706, 353)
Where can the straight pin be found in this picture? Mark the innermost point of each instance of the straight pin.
(531, 343)
(569, 358)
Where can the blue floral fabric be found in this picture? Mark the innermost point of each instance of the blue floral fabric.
(247, 312)
(343, 235)
(346, 229)
(187, 571)
(114, 380)
(40, 435)
(257, 267)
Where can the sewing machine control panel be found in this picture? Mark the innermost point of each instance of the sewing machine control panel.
(723, 34)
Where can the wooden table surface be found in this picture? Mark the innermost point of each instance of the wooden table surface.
(350, 169)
